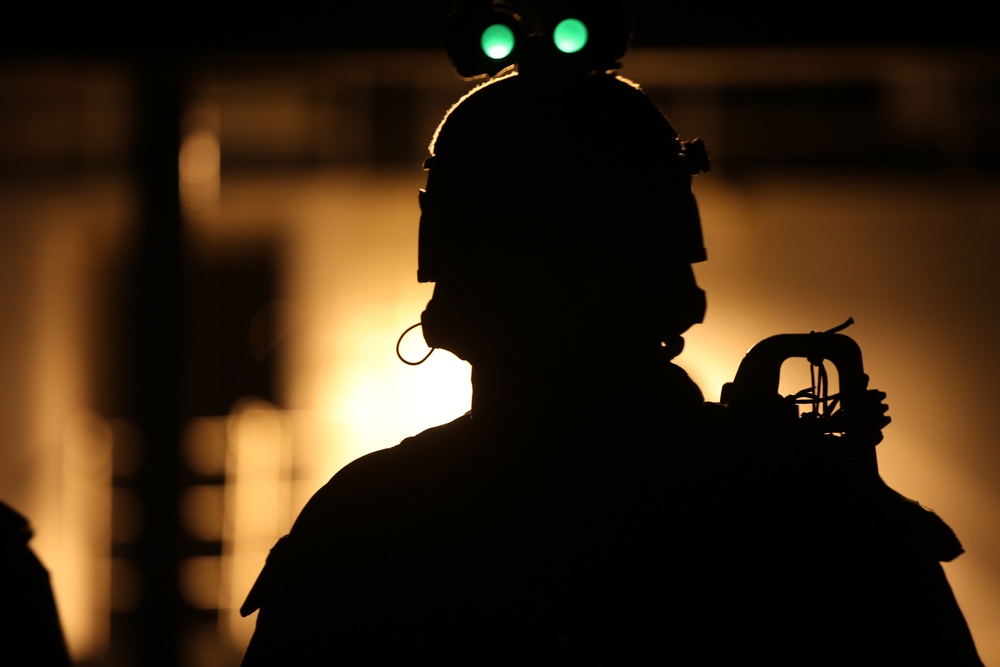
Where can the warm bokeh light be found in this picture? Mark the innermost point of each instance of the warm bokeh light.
(354, 288)
(199, 161)
(257, 507)
(82, 573)
(56, 461)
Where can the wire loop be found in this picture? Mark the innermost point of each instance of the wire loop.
(400, 354)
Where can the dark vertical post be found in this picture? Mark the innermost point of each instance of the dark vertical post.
(154, 372)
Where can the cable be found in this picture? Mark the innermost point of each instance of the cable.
(400, 354)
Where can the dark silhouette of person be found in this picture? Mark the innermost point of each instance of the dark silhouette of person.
(30, 632)
(592, 508)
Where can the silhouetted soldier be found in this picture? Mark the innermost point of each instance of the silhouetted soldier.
(592, 508)
(30, 632)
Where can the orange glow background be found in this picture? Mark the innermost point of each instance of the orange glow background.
(794, 245)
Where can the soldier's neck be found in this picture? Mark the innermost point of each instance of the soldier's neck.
(570, 386)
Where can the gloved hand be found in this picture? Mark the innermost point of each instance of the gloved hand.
(864, 418)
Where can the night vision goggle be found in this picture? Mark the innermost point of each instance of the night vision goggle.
(484, 37)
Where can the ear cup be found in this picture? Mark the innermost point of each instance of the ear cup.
(446, 325)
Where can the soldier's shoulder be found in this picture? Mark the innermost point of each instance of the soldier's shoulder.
(415, 453)
(371, 481)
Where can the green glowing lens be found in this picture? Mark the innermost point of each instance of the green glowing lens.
(570, 35)
(497, 41)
